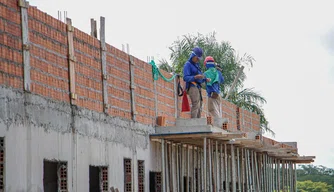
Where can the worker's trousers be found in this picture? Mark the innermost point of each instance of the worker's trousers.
(215, 107)
(196, 102)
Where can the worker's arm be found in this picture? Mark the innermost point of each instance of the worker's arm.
(188, 77)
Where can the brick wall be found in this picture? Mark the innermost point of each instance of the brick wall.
(50, 73)
(11, 68)
(48, 56)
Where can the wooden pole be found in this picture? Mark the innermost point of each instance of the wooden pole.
(193, 184)
(256, 172)
(188, 169)
(221, 172)
(243, 182)
(171, 169)
(217, 171)
(182, 168)
(234, 175)
(210, 164)
(204, 165)
(234, 82)
(226, 168)
(177, 167)
(238, 166)
(163, 183)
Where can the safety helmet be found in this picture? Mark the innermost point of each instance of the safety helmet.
(198, 52)
(208, 59)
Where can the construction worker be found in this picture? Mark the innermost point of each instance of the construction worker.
(193, 76)
(213, 87)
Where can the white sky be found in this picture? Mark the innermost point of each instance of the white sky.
(292, 42)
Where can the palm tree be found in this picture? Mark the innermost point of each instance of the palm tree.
(229, 61)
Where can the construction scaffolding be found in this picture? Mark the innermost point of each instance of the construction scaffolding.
(224, 161)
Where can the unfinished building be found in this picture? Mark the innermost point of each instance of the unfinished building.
(79, 115)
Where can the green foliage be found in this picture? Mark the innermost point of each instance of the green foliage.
(316, 174)
(310, 186)
(228, 60)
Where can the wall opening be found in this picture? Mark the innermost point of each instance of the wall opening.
(94, 179)
(141, 176)
(54, 176)
(155, 181)
(127, 175)
(98, 179)
(2, 164)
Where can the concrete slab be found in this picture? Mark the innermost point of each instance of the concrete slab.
(218, 122)
(189, 129)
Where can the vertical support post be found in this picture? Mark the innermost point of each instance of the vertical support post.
(216, 165)
(291, 176)
(172, 168)
(72, 60)
(279, 175)
(198, 170)
(265, 181)
(167, 166)
(177, 168)
(188, 169)
(155, 98)
(234, 176)
(276, 175)
(295, 178)
(182, 168)
(269, 173)
(283, 175)
(273, 173)
(252, 169)
(210, 165)
(202, 169)
(25, 44)
(93, 28)
(243, 182)
(204, 166)
(193, 183)
(249, 170)
(176, 98)
(104, 64)
(163, 179)
(221, 172)
(132, 85)
(226, 168)
(238, 169)
(257, 172)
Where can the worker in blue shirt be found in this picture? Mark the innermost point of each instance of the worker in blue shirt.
(193, 76)
(213, 87)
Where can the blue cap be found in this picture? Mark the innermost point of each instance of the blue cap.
(198, 52)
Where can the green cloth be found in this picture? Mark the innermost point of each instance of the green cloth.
(213, 74)
(156, 73)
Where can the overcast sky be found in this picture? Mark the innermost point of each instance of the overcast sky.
(292, 42)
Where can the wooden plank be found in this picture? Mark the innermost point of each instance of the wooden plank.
(25, 44)
(71, 60)
(104, 65)
(218, 135)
